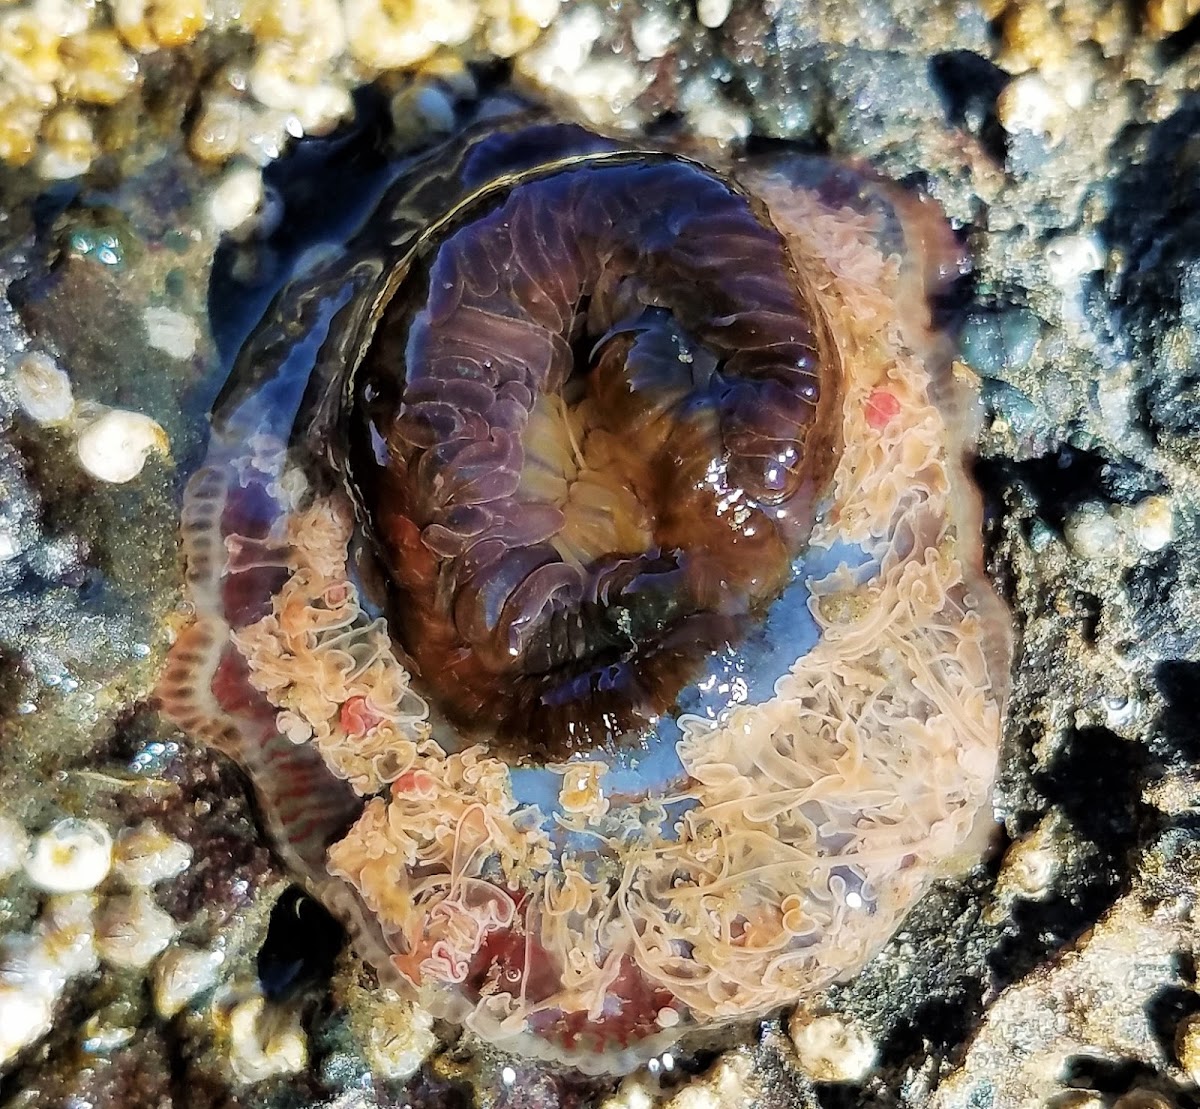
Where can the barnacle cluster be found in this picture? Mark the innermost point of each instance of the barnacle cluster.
(111, 444)
(98, 907)
(65, 64)
(409, 630)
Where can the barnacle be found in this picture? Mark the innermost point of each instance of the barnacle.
(599, 611)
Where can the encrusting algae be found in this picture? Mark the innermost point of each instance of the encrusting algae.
(770, 797)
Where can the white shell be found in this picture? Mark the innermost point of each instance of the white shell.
(181, 974)
(14, 845)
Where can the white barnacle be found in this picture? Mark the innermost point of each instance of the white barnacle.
(832, 1048)
(114, 446)
(181, 974)
(14, 845)
(70, 856)
(146, 855)
(264, 1041)
(171, 331)
(43, 389)
(133, 930)
(37, 966)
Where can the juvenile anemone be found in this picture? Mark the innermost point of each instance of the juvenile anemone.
(599, 613)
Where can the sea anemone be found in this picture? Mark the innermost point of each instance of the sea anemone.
(599, 610)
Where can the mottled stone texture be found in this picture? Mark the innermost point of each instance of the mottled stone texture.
(1063, 141)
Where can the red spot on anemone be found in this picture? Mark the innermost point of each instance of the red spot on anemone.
(357, 717)
(882, 407)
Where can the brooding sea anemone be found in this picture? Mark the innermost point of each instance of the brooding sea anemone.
(584, 571)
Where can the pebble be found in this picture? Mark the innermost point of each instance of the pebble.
(70, 856)
(1028, 103)
(43, 389)
(1091, 531)
(1094, 530)
(712, 13)
(997, 343)
(1151, 522)
(114, 447)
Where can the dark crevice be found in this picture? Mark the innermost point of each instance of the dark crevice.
(1171, 1005)
(302, 942)
(968, 86)
(1060, 480)
(1179, 724)
(1105, 1076)
(937, 1027)
(1180, 42)
(1096, 783)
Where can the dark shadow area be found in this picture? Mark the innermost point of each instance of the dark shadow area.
(1056, 482)
(322, 188)
(938, 1027)
(1155, 223)
(302, 942)
(1166, 630)
(1105, 1076)
(1097, 782)
(1178, 737)
(1171, 1006)
(968, 86)
(1177, 44)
